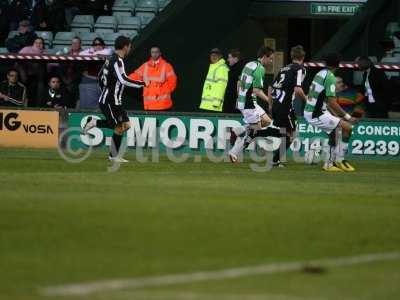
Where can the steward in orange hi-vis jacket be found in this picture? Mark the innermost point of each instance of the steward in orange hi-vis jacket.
(160, 80)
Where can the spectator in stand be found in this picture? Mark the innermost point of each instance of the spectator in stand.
(12, 92)
(4, 21)
(89, 90)
(36, 48)
(18, 11)
(70, 72)
(74, 50)
(235, 66)
(49, 15)
(349, 99)
(55, 96)
(160, 80)
(98, 48)
(96, 7)
(33, 73)
(376, 88)
(71, 10)
(24, 38)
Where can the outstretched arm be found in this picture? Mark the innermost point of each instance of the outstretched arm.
(123, 78)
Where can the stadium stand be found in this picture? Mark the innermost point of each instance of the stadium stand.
(130, 23)
(106, 22)
(83, 21)
(127, 7)
(147, 6)
(63, 38)
(125, 16)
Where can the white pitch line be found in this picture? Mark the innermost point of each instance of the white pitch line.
(81, 289)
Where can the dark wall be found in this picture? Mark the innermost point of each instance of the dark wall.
(362, 34)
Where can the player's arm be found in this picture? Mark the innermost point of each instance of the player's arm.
(258, 87)
(331, 99)
(298, 89)
(260, 94)
(123, 78)
(299, 92)
(338, 110)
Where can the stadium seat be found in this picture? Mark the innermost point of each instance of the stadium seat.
(130, 23)
(12, 33)
(162, 4)
(106, 22)
(3, 50)
(126, 6)
(63, 38)
(391, 28)
(396, 42)
(47, 36)
(391, 60)
(147, 6)
(109, 38)
(102, 32)
(145, 17)
(128, 33)
(83, 21)
(79, 31)
(88, 37)
(119, 14)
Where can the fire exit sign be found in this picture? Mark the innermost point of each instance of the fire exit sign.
(330, 9)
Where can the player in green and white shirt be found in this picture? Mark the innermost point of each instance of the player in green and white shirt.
(323, 112)
(250, 90)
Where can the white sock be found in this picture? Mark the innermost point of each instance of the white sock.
(332, 154)
(238, 147)
(341, 150)
(240, 141)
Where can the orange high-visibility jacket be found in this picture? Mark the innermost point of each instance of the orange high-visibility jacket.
(162, 82)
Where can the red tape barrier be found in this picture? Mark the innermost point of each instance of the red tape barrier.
(353, 66)
(46, 57)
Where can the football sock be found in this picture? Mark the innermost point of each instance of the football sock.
(333, 144)
(115, 144)
(341, 150)
(242, 143)
(269, 132)
(277, 153)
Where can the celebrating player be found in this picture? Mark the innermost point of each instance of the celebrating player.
(112, 80)
(287, 86)
(258, 123)
(317, 112)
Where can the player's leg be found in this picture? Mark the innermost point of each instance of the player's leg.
(332, 143)
(286, 120)
(243, 140)
(327, 123)
(342, 147)
(92, 122)
(123, 125)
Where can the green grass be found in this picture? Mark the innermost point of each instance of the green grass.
(64, 223)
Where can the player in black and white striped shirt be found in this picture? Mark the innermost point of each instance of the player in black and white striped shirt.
(287, 86)
(113, 79)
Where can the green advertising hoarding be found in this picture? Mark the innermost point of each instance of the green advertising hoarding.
(192, 133)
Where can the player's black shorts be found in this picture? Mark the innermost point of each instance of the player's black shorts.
(115, 114)
(284, 116)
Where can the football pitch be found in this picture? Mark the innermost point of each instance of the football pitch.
(196, 231)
